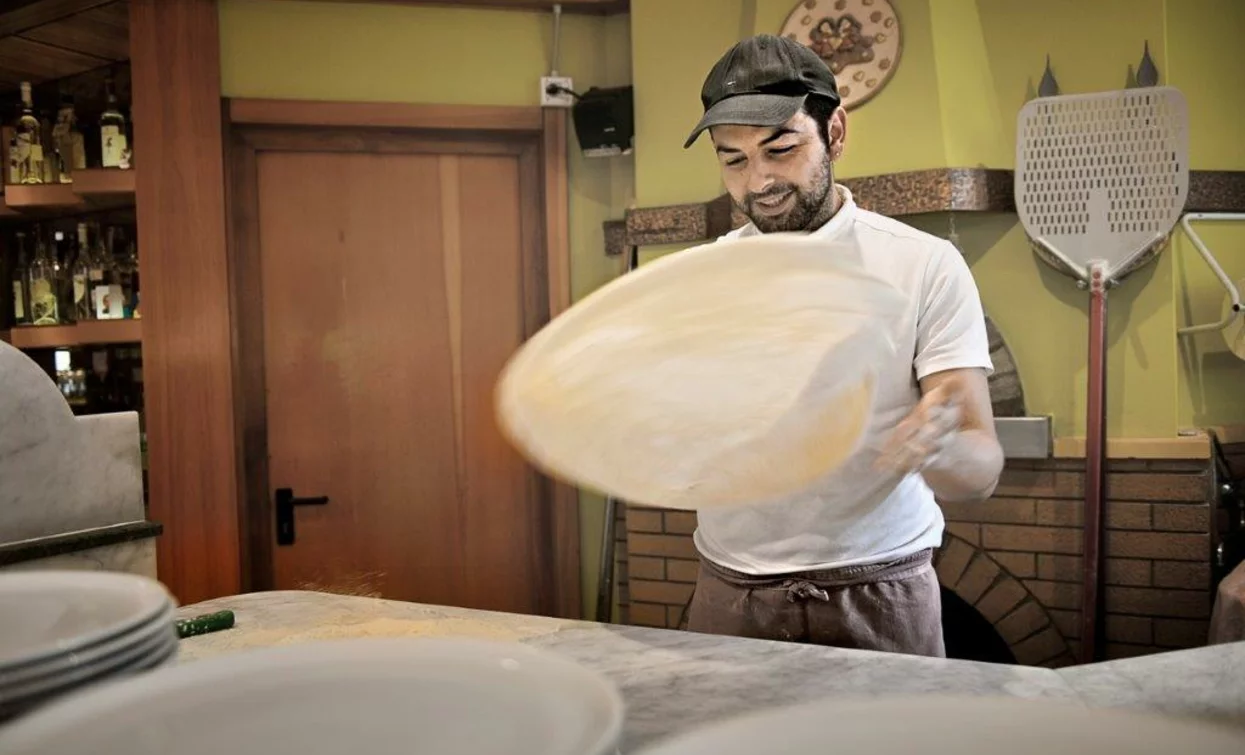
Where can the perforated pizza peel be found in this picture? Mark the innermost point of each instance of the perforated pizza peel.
(1101, 180)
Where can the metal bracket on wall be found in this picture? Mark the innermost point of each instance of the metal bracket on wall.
(1234, 308)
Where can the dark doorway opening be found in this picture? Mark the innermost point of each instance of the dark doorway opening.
(967, 634)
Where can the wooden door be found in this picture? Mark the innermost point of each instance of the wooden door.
(396, 274)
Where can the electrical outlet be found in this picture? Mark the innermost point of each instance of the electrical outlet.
(556, 98)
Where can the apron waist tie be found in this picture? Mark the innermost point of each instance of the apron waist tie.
(801, 590)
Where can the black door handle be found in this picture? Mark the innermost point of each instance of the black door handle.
(285, 503)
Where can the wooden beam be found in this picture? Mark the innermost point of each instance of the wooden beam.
(558, 260)
(592, 7)
(187, 344)
(44, 12)
(557, 202)
(385, 115)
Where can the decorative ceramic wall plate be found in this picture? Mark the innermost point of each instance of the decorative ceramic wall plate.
(858, 39)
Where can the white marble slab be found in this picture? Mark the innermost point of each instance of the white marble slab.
(1207, 682)
(60, 473)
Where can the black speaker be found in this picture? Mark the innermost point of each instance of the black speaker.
(604, 121)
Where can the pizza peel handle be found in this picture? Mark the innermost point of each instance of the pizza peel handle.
(1101, 180)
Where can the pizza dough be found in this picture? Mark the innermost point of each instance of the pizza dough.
(735, 372)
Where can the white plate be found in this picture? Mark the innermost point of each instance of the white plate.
(157, 652)
(954, 726)
(680, 384)
(46, 613)
(141, 654)
(163, 625)
(153, 659)
(410, 696)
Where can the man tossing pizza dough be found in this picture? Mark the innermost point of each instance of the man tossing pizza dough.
(849, 564)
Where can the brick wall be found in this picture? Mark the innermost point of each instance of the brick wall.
(662, 564)
(621, 564)
(1158, 549)
(1017, 558)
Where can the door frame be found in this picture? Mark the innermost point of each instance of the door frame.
(253, 124)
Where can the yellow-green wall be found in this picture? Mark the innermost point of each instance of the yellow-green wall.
(1208, 64)
(967, 68)
(362, 52)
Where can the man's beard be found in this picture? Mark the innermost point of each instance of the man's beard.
(812, 208)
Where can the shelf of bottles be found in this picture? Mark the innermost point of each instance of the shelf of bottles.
(52, 168)
(75, 283)
(68, 245)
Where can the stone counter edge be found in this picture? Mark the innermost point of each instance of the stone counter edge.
(74, 542)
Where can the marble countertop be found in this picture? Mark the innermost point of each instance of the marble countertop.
(673, 681)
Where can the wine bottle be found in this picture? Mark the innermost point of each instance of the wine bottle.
(62, 257)
(70, 148)
(21, 304)
(114, 147)
(80, 277)
(27, 148)
(127, 276)
(43, 298)
(106, 298)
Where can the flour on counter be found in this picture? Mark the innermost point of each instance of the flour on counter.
(240, 638)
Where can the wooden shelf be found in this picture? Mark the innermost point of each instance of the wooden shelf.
(94, 189)
(104, 184)
(80, 334)
(42, 197)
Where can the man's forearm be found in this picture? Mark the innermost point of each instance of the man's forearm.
(968, 469)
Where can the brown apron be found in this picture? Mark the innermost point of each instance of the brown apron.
(892, 607)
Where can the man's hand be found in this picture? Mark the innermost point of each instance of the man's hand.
(949, 437)
(921, 438)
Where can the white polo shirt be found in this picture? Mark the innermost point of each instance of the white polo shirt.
(858, 515)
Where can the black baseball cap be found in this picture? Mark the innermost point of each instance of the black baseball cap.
(762, 81)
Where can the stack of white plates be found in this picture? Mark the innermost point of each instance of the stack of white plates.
(61, 631)
(367, 696)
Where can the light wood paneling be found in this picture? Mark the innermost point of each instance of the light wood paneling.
(187, 344)
(392, 284)
(545, 283)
